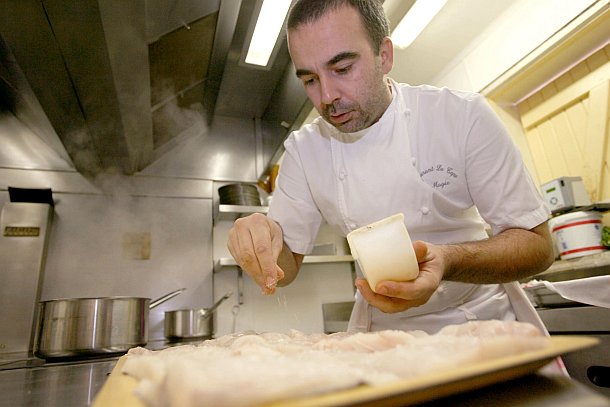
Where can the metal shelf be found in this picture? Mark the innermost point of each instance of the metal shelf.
(596, 207)
(241, 209)
(232, 212)
(230, 262)
(580, 267)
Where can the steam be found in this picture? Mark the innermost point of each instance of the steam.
(173, 122)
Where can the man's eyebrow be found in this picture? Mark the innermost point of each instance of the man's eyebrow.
(303, 72)
(341, 56)
(334, 60)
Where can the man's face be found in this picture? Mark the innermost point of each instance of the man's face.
(342, 76)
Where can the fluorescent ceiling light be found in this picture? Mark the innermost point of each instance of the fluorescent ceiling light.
(414, 22)
(268, 26)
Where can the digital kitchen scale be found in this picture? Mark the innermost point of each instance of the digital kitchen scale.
(565, 193)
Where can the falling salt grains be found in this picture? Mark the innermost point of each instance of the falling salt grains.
(296, 318)
(282, 301)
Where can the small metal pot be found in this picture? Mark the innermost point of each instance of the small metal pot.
(191, 323)
(84, 327)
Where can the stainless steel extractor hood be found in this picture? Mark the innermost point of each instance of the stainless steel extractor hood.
(108, 74)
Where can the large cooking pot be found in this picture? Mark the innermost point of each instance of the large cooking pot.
(83, 327)
(191, 323)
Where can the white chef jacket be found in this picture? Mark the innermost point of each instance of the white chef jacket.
(440, 157)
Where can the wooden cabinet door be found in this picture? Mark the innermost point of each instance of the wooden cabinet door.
(567, 125)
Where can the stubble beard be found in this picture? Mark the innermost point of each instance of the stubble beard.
(375, 104)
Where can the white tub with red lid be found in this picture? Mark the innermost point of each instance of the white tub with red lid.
(577, 234)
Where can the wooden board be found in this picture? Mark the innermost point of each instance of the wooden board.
(118, 389)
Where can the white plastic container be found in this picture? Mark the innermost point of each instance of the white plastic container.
(577, 234)
(384, 251)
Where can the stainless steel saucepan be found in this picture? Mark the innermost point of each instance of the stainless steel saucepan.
(82, 327)
(191, 323)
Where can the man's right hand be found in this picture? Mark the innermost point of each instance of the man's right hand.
(255, 242)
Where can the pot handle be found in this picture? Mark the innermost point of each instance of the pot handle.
(166, 297)
(206, 312)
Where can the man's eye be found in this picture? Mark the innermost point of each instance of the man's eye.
(343, 70)
(308, 82)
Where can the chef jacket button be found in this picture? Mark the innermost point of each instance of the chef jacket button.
(425, 210)
(353, 226)
(414, 161)
(342, 175)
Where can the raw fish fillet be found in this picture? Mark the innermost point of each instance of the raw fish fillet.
(253, 369)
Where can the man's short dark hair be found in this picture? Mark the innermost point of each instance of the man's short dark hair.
(371, 12)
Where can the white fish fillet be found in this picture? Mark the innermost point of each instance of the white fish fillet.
(253, 369)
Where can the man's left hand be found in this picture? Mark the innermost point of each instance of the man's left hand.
(393, 296)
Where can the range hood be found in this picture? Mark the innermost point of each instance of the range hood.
(106, 76)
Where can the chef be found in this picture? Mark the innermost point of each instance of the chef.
(440, 157)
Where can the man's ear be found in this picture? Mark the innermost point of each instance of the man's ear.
(386, 52)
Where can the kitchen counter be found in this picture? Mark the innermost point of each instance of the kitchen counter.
(76, 384)
(71, 384)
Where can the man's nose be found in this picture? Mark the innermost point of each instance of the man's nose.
(328, 91)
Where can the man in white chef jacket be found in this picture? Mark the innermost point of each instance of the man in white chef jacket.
(440, 157)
